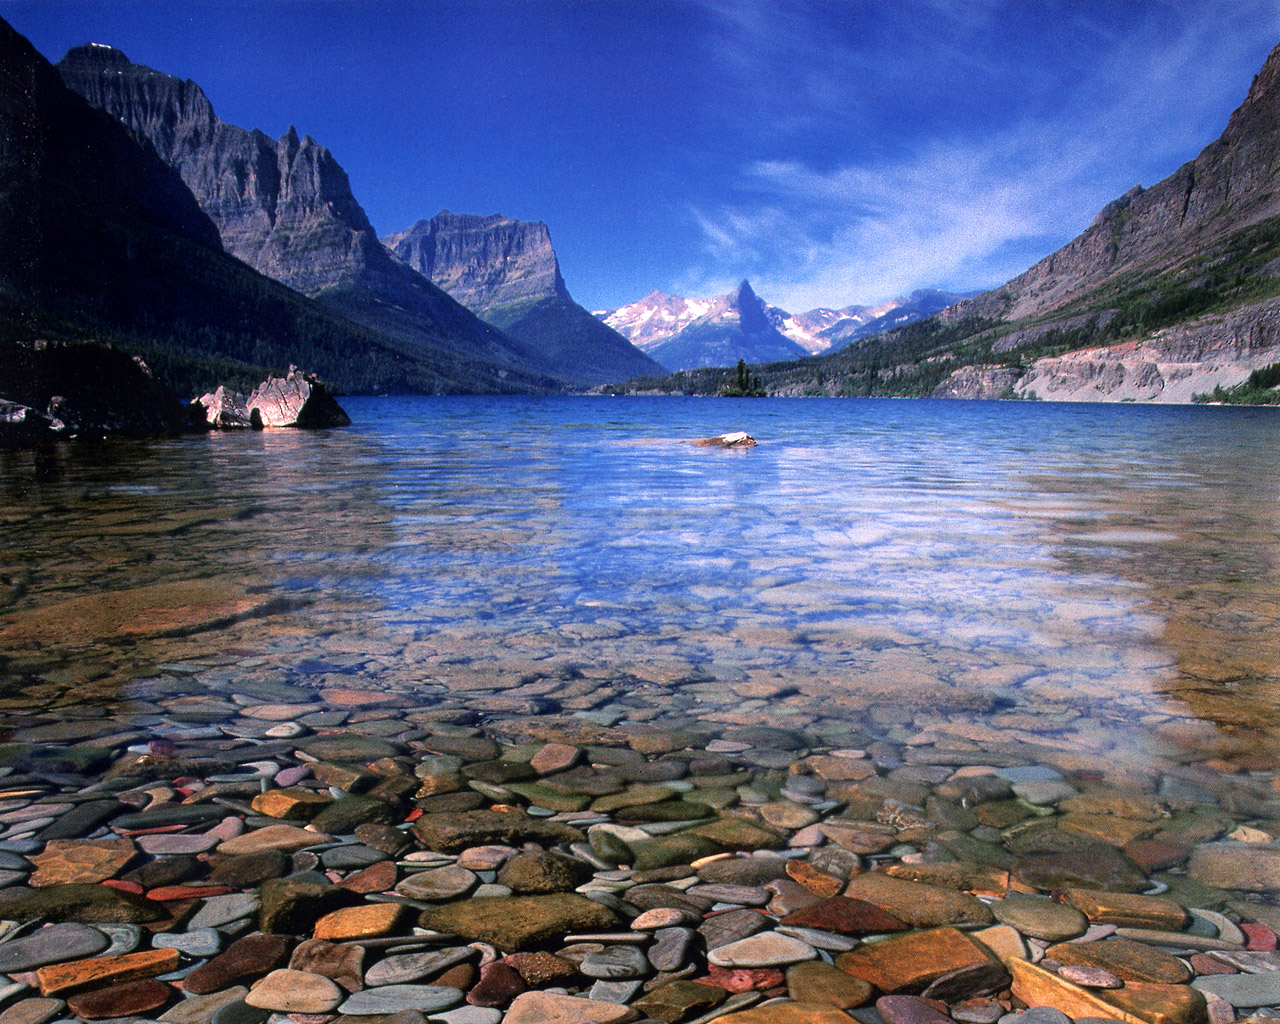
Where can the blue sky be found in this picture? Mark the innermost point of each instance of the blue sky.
(832, 152)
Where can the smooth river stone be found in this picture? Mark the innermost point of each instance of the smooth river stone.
(1242, 990)
(289, 991)
(1129, 961)
(394, 998)
(83, 861)
(845, 916)
(670, 948)
(518, 922)
(131, 999)
(438, 884)
(767, 949)
(285, 838)
(53, 944)
(246, 957)
(216, 911)
(409, 967)
(723, 929)
(899, 1009)
(200, 1009)
(170, 844)
(551, 1008)
(917, 904)
(816, 982)
(914, 960)
(1040, 918)
(616, 962)
(37, 1011)
(54, 979)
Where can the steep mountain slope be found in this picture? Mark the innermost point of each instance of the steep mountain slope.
(507, 273)
(684, 334)
(99, 237)
(1172, 290)
(285, 207)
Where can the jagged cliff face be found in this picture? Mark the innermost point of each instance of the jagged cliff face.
(102, 237)
(483, 262)
(285, 207)
(507, 272)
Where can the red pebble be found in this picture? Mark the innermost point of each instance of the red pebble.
(1203, 963)
(165, 893)
(1261, 938)
(743, 979)
(122, 886)
(414, 814)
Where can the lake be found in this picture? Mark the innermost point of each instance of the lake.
(1095, 580)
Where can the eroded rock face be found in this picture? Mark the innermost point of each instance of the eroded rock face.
(296, 400)
(284, 206)
(224, 409)
(482, 261)
(1173, 365)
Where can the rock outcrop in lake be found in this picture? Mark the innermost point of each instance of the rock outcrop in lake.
(507, 272)
(297, 399)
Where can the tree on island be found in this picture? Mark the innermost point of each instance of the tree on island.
(747, 385)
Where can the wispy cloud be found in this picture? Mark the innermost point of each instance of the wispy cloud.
(970, 204)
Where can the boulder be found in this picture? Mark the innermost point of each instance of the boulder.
(224, 409)
(295, 400)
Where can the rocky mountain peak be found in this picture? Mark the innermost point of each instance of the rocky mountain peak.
(96, 57)
(483, 262)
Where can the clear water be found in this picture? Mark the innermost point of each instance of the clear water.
(1106, 575)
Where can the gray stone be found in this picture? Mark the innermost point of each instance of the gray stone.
(221, 910)
(197, 942)
(616, 962)
(408, 967)
(393, 998)
(1247, 990)
(55, 943)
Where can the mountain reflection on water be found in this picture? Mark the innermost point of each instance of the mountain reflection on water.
(1097, 578)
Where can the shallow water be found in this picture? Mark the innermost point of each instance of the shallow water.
(1100, 579)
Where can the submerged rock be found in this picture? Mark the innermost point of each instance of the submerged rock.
(735, 439)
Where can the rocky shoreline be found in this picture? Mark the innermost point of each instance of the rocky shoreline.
(273, 852)
(56, 391)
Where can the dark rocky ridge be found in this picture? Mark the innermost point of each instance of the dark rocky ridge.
(507, 272)
(285, 207)
(102, 239)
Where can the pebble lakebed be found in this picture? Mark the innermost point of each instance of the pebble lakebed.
(230, 850)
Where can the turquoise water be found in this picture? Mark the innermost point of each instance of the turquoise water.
(1086, 571)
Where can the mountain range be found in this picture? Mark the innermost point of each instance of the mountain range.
(1172, 294)
(507, 272)
(685, 334)
(131, 213)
